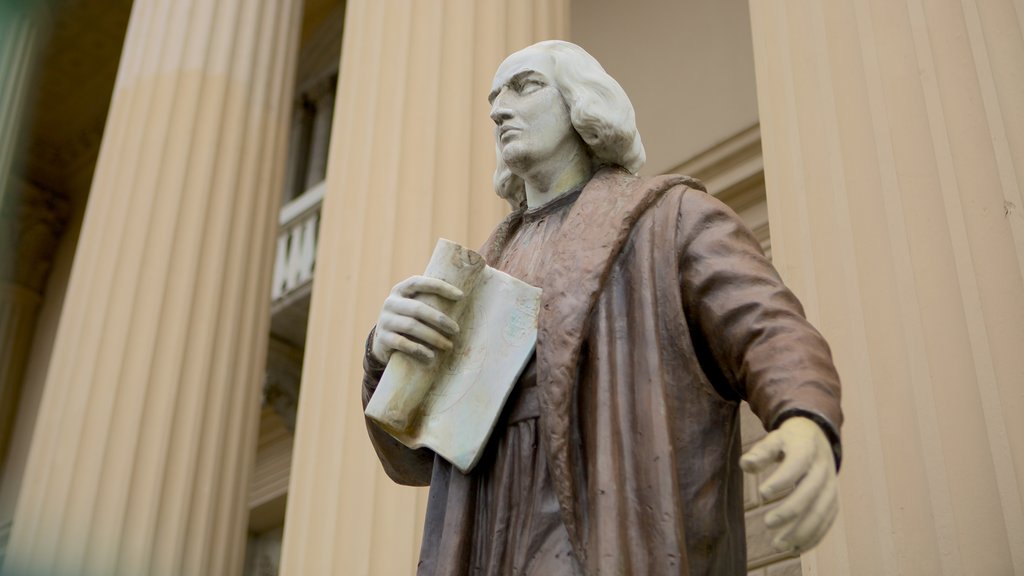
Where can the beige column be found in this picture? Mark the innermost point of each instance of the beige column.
(146, 430)
(893, 136)
(411, 159)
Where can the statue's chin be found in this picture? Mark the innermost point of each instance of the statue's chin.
(517, 159)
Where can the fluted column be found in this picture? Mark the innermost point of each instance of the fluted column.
(893, 135)
(20, 27)
(411, 159)
(146, 431)
(18, 309)
(31, 224)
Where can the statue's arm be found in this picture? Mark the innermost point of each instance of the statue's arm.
(748, 328)
(402, 464)
(755, 344)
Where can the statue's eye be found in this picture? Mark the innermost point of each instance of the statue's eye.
(526, 85)
(530, 85)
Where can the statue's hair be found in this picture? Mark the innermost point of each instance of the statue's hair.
(599, 110)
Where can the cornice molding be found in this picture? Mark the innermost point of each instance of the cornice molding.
(733, 171)
(729, 163)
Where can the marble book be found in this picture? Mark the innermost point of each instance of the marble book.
(451, 403)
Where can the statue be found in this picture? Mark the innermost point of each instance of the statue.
(618, 451)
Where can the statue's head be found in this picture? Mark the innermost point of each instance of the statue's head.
(598, 109)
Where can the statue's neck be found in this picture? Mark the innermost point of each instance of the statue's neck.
(558, 178)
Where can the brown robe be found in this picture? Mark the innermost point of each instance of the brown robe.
(659, 315)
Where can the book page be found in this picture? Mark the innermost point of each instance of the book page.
(450, 404)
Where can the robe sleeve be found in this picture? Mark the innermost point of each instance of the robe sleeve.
(402, 464)
(748, 329)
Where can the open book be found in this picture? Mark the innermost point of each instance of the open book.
(451, 403)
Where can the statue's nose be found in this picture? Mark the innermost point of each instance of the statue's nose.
(500, 113)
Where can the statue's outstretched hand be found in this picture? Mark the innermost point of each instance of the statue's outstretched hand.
(408, 323)
(805, 515)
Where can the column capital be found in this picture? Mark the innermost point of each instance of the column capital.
(31, 221)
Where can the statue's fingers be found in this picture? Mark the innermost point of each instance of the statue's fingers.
(426, 314)
(809, 530)
(426, 285)
(400, 343)
(762, 454)
(798, 502)
(796, 462)
(413, 329)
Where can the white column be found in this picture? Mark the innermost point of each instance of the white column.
(146, 430)
(893, 134)
(412, 156)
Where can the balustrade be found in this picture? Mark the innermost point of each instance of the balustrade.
(296, 243)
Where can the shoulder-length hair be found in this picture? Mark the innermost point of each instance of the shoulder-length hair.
(599, 110)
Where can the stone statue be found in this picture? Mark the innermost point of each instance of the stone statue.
(619, 449)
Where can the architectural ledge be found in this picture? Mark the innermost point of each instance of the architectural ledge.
(733, 171)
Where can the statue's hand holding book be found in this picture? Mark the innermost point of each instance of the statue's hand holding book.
(455, 341)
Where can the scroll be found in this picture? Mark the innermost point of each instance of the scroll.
(450, 404)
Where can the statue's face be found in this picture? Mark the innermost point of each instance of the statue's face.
(530, 116)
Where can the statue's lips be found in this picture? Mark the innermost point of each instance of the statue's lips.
(506, 130)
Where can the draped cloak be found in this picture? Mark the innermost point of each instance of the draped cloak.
(660, 313)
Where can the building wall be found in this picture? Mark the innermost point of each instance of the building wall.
(688, 67)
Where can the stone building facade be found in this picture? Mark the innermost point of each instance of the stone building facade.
(204, 203)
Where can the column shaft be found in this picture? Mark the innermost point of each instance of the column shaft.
(18, 308)
(31, 224)
(20, 25)
(146, 431)
(411, 159)
(893, 139)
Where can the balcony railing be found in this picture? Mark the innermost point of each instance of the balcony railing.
(296, 244)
